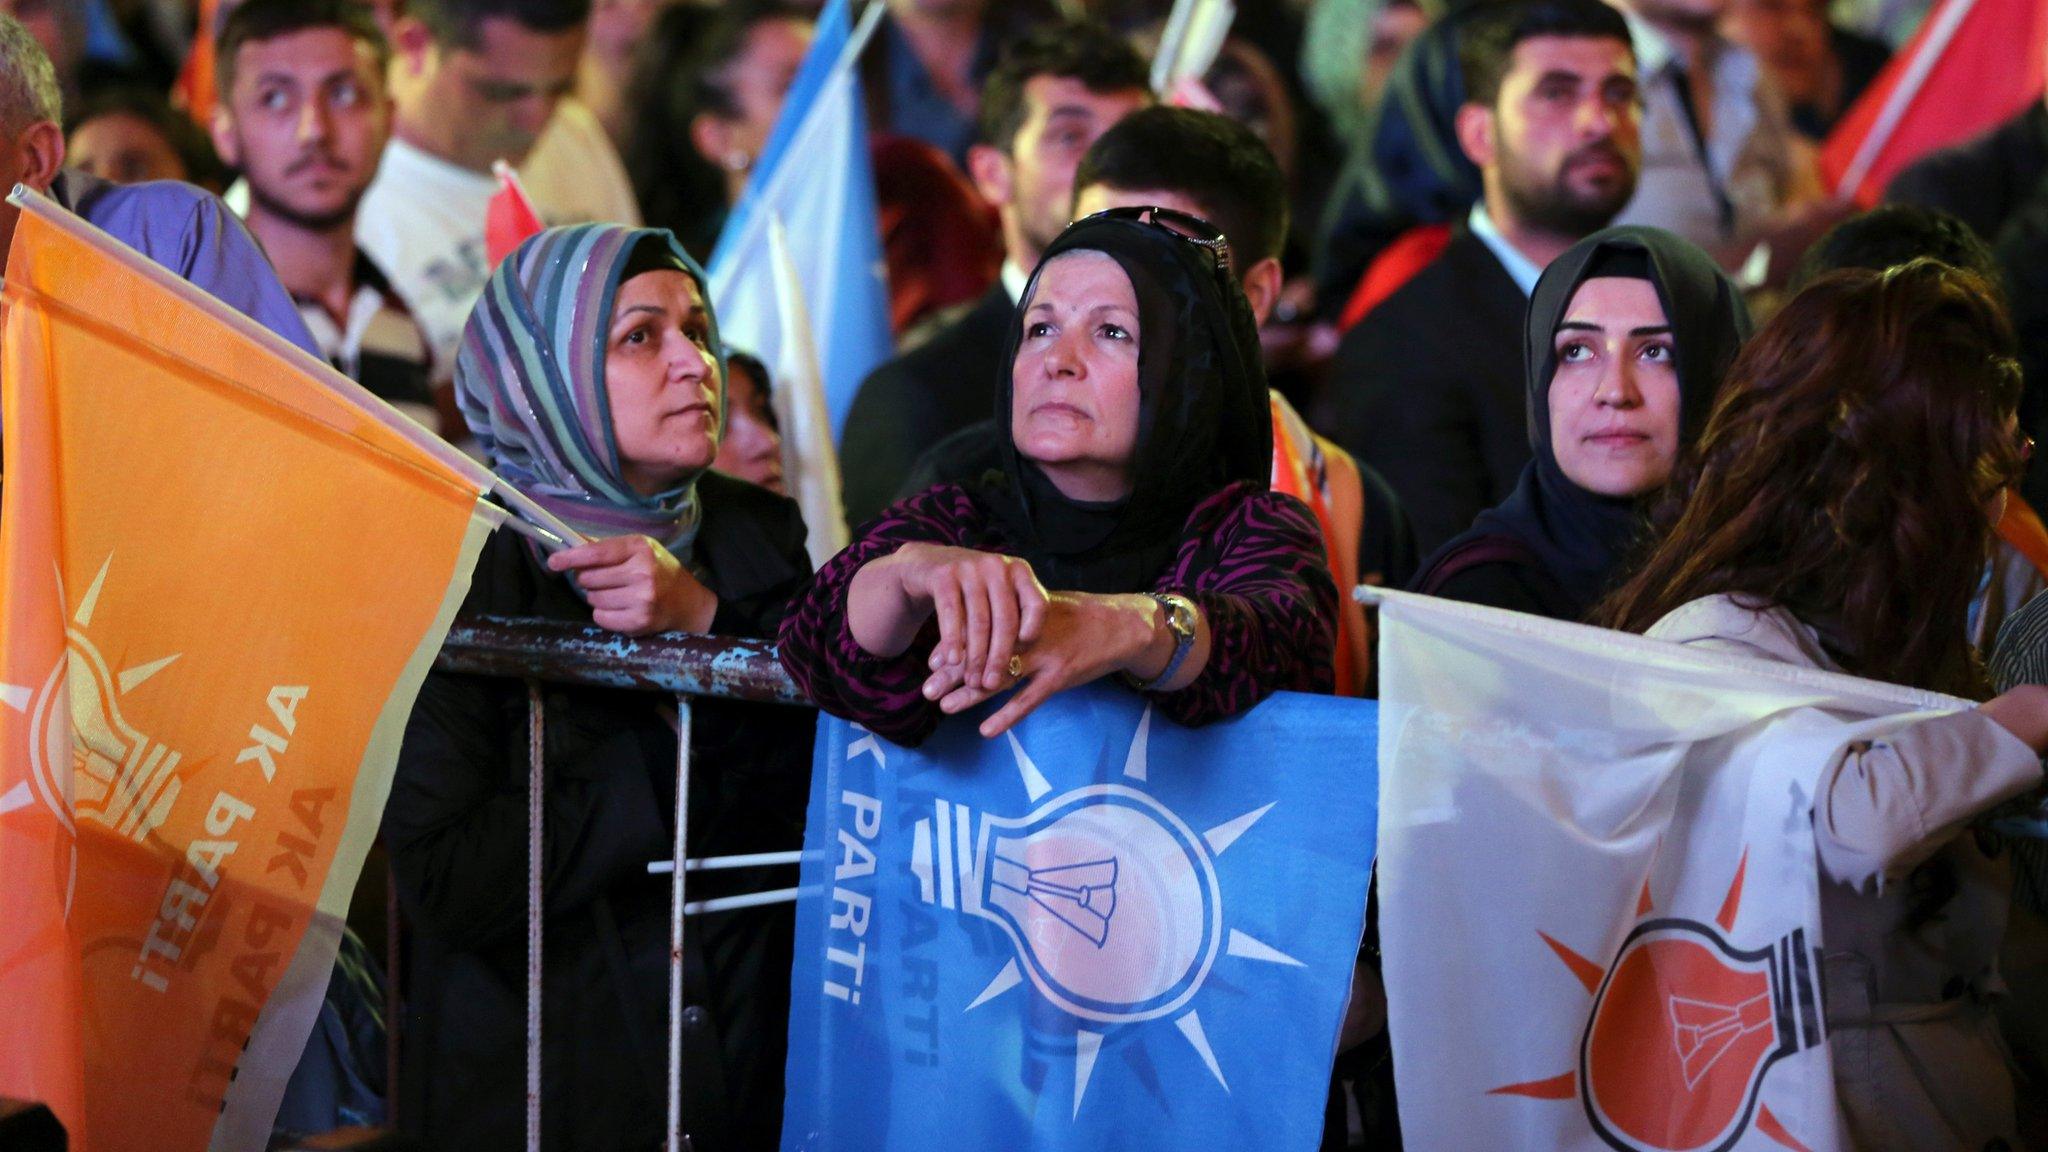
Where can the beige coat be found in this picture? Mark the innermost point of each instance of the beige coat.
(1919, 1064)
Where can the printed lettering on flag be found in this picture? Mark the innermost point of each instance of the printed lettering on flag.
(1599, 888)
(221, 583)
(1100, 931)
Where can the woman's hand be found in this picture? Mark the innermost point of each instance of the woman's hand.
(985, 603)
(637, 587)
(2023, 711)
(1084, 638)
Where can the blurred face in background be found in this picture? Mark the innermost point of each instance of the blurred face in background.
(752, 446)
(756, 82)
(1033, 182)
(472, 105)
(306, 122)
(124, 148)
(1790, 39)
(1562, 145)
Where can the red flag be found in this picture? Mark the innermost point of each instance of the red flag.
(511, 216)
(1972, 65)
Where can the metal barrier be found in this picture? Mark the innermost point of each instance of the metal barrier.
(687, 666)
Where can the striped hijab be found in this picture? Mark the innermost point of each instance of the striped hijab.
(530, 380)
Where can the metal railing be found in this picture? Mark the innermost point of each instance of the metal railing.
(686, 666)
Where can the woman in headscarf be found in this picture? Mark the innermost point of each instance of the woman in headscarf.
(1836, 516)
(1134, 449)
(1627, 338)
(592, 375)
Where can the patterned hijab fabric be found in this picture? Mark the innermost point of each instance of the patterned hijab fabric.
(530, 379)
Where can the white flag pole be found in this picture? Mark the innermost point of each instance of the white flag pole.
(544, 526)
(809, 458)
(1901, 98)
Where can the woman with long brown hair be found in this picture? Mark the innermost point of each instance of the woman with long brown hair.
(1836, 514)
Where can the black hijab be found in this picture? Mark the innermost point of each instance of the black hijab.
(1578, 538)
(1204, 420)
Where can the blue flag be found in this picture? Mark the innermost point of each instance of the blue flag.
(1103, 931)
(816, 176)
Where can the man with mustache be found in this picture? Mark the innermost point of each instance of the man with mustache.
(1427, 388)
(304, 115)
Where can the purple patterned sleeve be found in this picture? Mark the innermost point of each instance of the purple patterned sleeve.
(1253, 562)
(882, 693)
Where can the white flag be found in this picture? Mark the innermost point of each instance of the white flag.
(809, 461)
(1599, 891)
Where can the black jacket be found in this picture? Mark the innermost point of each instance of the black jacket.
(1985, 181)
(456, 826)
(1427, 389)
(918, 399)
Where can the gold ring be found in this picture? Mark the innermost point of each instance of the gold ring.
(1016, 668)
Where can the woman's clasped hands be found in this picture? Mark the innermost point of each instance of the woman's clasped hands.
(999, 629)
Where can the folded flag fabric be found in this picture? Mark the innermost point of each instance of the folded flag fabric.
(1599, 891)
(1100, 931)
(221, 582)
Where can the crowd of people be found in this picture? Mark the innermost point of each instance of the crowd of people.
(1537, 304)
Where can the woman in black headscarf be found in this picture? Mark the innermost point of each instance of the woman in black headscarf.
(1135, 447)
(1628, 335)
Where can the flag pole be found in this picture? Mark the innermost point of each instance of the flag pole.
(543, 526)
(1900, 98)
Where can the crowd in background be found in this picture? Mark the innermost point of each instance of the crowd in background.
(1542, 304)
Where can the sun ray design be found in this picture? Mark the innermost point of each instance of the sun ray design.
(1005, 980)
(1087, 1046)
(1767, 1122)
(1190, 1026)
(1134, 764)
(1733, 904)
(17, 797)
(1035, 785)
(1223, 836)
(1644, 905)
(83, 618)
(132, 678)
(16, 696)
(1244, 946)
(1556, 1088)
(1589, 973)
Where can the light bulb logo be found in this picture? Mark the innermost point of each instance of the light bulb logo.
(86, 760)
(1682, 1031)
(1110, 901)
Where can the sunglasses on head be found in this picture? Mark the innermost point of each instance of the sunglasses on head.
(1185, 225)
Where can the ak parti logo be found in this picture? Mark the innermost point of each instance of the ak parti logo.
(1683, 1029)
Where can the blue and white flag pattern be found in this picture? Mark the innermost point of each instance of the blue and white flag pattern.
(1103, 931)
(816, 175)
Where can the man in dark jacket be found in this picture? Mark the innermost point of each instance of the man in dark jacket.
(1427, 389)
(1053, 93)
(1998, 185)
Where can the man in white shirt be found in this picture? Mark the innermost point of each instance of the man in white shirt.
(1722, 165)
(478, 81)
(303, 114)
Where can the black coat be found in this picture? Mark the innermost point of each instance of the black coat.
(918, 399)
(456, 826)
(1428, 390)
(1986, 180)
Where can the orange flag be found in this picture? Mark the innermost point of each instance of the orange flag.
(221, 583)
(195, 88)
(1973, 64)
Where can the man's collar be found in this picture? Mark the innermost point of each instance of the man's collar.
(1654, 52)
(1015, 280)
(1522, 270)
